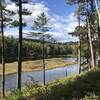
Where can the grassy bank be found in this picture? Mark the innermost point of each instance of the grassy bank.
(86, 86)
(35, 65)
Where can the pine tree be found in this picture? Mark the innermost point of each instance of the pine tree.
(4, 16)
(20, 23)
(41, 25)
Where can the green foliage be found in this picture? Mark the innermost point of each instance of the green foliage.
(4, 13)
(91, 97)
(81, 87)
(86, 15)
(24, 12)
(41, 23)
(16, 24)
(33, 49)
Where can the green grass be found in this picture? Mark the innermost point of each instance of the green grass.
(79, 87)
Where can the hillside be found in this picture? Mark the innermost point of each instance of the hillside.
(33, 49)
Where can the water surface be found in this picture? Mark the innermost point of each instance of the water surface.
(37, 76)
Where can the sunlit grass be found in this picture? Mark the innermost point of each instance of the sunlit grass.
(36, 65)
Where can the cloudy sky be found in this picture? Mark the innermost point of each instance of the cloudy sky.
(61, 18)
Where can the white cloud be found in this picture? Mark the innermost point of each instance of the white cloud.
(64, 25)
(61, 25)
(12, 7)
(58, 36)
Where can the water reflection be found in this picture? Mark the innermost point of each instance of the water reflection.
(37, 76)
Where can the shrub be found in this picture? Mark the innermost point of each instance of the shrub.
(91, 97)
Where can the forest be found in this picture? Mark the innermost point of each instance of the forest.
(38, 64)
(32, 49)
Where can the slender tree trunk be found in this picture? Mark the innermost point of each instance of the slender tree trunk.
(97, 9)
(94, 49)
(98, 12)
(90, 38)
(79, 54)
(44, 81)
(3, 49)
(91, 46)
(88, 44)
(20, 46)
(88, 59)
(98, 43)
(79, 49)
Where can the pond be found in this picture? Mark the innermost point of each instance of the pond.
(37, 76)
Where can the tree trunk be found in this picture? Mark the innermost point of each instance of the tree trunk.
(3, 50)
(91, 46)
(79, 54)
(89, 55)
(79, 49)
(97, 10)
(20, 46)
(44, 81)
(90, 38)
(98, 42)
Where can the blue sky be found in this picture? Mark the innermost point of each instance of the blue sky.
(61, 15)
(59, 7)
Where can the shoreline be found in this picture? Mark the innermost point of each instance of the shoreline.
(51, 63)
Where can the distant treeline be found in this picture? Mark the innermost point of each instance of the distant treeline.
(32, 49)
